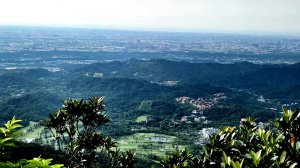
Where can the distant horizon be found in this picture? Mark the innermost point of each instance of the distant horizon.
(250, 33)
(274, 17)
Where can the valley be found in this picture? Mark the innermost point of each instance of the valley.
(140, 103)
(158, 98)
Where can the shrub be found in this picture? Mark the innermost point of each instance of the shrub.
(248, 145)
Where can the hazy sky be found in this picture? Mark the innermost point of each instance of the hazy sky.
(175, 15)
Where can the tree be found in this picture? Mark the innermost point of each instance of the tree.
(248, 145)
(75, 127)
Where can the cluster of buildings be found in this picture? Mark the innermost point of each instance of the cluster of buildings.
(168, 83)
(200, 105)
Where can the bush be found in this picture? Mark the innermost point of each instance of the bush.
(7, 140)
(248, 145)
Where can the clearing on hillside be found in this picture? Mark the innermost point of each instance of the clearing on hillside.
(142, 118)
(149, 143)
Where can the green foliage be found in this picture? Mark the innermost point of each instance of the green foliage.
(178, 159)
(75, 126)
(30, 106)
(7, 135)
(10, 127)
(41, 163)
(34, 163)
(248, 146)
(134, 88)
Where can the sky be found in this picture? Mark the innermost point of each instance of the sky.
(273, 16)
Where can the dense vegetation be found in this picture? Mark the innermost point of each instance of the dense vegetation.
(276, 144)
(122, 80)
(248, 145)
(135, 88)
(74, 128)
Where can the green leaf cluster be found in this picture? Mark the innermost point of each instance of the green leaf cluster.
(248, 145)
(75, 127)
(7, 134)
(7, 139)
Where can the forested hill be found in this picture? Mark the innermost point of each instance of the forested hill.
(163, 70)
(263, 78)
(33, 93)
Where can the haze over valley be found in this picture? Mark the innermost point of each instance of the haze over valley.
(182, 85)
(140, 83)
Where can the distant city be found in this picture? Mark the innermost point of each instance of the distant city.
(163, 91)
(193, 47)
(93, 40)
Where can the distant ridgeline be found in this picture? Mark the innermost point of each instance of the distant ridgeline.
(134, 88)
